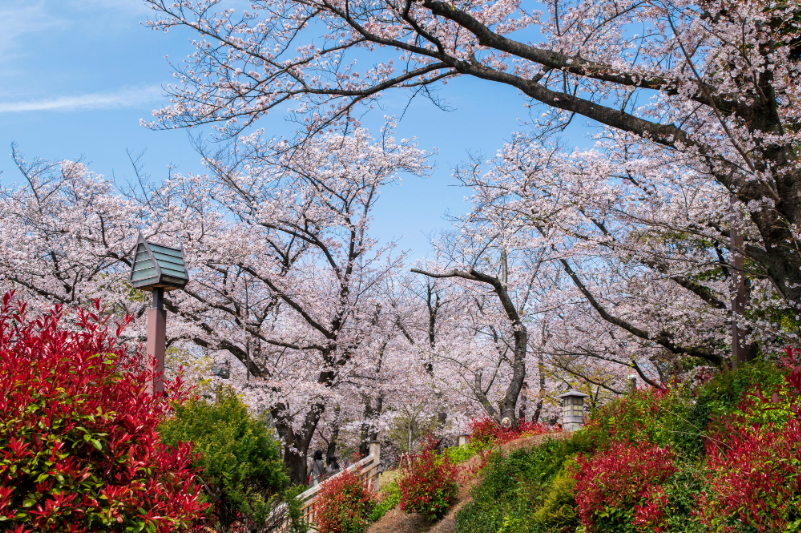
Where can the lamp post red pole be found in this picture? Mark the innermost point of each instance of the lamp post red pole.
(157, 268)
(156, 342)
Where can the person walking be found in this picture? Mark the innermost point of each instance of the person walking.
(318, 469)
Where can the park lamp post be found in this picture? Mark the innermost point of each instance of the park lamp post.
(572, 410)
(158, 269)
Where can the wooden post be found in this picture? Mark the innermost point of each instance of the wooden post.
(462, 439)
(156, 342)
(375, 451)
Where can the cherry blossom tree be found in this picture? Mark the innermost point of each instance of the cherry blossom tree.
(285, 273)
(641, 245)
(497, 303)
(710, 83)
(66, 237)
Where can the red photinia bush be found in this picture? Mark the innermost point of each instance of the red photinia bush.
(754, 479)
(753, 465)
(622, 485)
(344, 505)
(793, 378)
(428, 483)
(78, 444)
(485, 432)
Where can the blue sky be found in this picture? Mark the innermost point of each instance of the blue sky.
(78, 75)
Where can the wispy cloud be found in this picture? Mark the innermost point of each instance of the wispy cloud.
(127, 97)
(25, 18)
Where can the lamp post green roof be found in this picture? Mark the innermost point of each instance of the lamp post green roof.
(158, 267)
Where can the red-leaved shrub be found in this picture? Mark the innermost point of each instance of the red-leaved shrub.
(343, 505)
(622, 485)
(78, 444)
(754, 480)
(754, 466)
(485, 432)
(428, 483)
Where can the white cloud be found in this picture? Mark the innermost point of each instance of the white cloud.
(128, 97)
(19, 20)
(24, 20)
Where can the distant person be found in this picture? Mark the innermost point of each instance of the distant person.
(333, 466)
(318, 469)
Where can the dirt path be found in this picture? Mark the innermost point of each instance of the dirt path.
(396, 521)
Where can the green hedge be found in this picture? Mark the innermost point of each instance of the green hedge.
(241, 463)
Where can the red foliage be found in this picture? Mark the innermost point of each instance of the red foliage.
(428, 483)
(621, 478)
(485, 432)
(343, 505)
(754, 480)
(649, 516)
(78, 444)
(793, 378)
(753, 468)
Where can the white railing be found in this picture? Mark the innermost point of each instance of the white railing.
(366, 469)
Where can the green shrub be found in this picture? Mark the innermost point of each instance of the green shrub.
(392, 496)
(682, 492)
(728, 394)
(558, 511)
(514, 487)
(662, 417)
(242, 466)
(460, 454)
(679, 416)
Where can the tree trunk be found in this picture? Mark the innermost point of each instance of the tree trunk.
(507, 416)
(331, 450)
(368, 432)
(364, 433)
(296, 444)
(521, 413)
(296, 465)
(541, 393)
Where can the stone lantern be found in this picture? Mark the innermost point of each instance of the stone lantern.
(222, 372)
(158, 269)
(573, 410)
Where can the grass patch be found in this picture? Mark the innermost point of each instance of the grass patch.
(518, 485)
(391, 498)
(460, 454)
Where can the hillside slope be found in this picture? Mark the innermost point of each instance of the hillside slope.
(397, 521)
